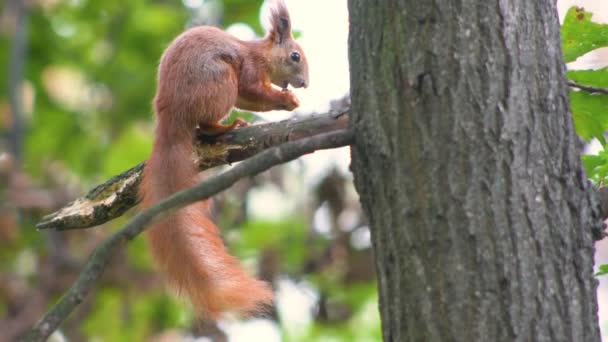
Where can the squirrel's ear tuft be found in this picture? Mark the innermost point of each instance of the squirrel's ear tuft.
(280, 23)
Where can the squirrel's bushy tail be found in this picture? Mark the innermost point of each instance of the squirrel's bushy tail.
(187, 245)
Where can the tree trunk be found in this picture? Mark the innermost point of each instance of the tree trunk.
(467, 163)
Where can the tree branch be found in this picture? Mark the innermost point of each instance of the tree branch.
(588, 88)
(112, 198)
(102, 254)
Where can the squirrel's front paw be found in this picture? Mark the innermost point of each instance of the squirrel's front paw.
(291, 101)
(239, 123)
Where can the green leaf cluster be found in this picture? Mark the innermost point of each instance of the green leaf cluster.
(581, 35)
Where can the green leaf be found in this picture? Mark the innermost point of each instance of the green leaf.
(595, 78)
(597, 166)
(580, 35)
(602, 271)
(590, 113)
(592, 164)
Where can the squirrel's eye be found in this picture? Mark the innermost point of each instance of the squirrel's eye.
(295, 56)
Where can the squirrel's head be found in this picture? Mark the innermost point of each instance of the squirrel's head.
(287, 62)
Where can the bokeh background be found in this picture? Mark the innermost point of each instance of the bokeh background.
(76, 82)
(83, 75)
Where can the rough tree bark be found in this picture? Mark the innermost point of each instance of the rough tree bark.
(468, 166)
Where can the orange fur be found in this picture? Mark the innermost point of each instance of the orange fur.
(202, 75)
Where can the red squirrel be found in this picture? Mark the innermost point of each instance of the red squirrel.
(202, 75)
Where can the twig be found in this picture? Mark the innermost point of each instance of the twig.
(102, 254)
(588, 88)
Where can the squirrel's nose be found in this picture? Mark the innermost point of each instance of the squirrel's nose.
(303, 84)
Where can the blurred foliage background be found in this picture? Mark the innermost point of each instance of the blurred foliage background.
(76, 82)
